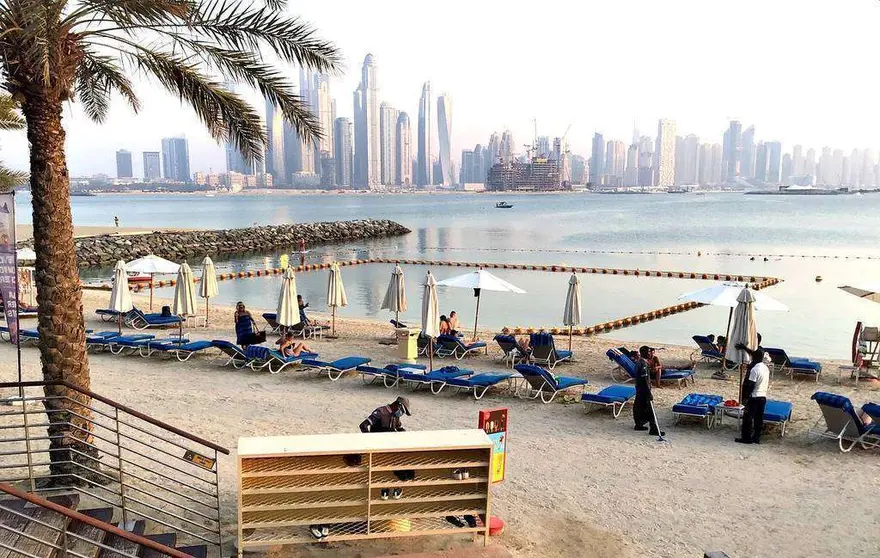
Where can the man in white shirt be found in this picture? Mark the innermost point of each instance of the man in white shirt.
(755, 399)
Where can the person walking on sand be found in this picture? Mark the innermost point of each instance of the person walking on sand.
(754, 400)
(116, 220)
(643, 412)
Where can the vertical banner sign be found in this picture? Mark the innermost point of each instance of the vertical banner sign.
(494, 423)
(8, 273)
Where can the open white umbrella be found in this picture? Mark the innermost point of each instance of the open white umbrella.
(152, 265)
(726, 295)
(395, 296)
(185, 295)
(745, 332)
(430, 315)
(335, 294)
(288, 309)
(120, 296)
(208, 287)
(479, 281)
(572, 314)
(868, 291)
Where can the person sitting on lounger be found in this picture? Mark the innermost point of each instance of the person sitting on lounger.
(453, 323)
(290, 348)
(444, 326)
(245, 327)
(657, 368)
(522, 343)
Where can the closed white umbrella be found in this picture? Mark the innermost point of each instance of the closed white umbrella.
(287, 313)
(152, 265)
(572, 314)
(745, 332)
(335, 294)
(430, 315)
(395, 296)
(479, 281)
(208, 287)
(726, 295)
(868, 291)
(185, 294)
(120, 296)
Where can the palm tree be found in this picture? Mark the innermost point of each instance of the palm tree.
(56, 51)
(10, 119)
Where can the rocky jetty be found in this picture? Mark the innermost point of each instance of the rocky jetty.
(105, 250)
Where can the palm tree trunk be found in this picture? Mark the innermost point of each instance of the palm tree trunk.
(59, 296)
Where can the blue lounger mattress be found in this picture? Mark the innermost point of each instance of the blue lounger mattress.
(480, 380)
(777, 411)
(611, 394)
(697, 404)
(347, 363)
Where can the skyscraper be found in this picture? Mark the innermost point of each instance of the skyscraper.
(444, 129)
(275, 144)
(597, 160)
(785, 178)
(631, 175)
(774, 161)
(388, 116)
(342, 137)
(542, 148)
(152, 168)
(424, 164)
(175, 159)
(810, 163)
(825, 171)
(749, 155)
(732, 151)
(717, 163)
(324, 109)
(837, 167)
(665, 153)
(615, 162)
(760, 162)
(123, 164)
(494, 150)
(403, 174)
(704, 176)
(368, 149)
(467, 166)
(508, 147)
(691, 163)
(797, 160)
(646, 161)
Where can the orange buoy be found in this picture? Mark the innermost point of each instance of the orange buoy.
(554, 331)
(518, 330)
(618, 323)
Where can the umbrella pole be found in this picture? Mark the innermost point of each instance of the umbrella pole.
(333, 322)
(431, 354)
(151, 292)
(741, 366)
(207, 302)
(569, 338)
(119, 322)
(477, 315)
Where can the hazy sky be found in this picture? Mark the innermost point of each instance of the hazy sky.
(801, 71)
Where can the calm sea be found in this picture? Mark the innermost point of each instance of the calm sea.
(663, 231)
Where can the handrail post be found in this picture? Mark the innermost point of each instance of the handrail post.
(27, 442)
(219, 515)
(121, 473)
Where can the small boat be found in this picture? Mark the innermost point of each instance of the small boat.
(503, 205)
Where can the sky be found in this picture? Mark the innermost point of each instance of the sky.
(800, 71)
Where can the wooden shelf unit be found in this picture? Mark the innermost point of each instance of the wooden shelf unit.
(288, 483)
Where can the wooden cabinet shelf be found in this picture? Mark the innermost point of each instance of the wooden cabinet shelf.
(289, 483)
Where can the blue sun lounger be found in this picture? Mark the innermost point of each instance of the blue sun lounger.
(108, 315)
(450, 345)
(260, 357)
(101, 340)
(793, 365)
(477, 384)
(544, 350)
(133, 342)
(778, 412)
(435, 379)
(231, 353)
(141, 321)
(540, 382)
(29, 335)
(700, 406)
(708, 353)
(627, 369)
(338, 367)
(615, 396)
(844, 425)
(180, 351)
(511, 351)
(389, 375)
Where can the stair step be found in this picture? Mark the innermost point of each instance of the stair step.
(137, 527)
(85, 548)
(27, 546)
(13, 503)
(165, 539)
(13, 521)
(198, 551)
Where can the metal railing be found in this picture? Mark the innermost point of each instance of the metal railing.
(46, 532)
(78, 441)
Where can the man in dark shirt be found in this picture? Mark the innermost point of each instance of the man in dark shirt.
(387, 417)
(642, 406)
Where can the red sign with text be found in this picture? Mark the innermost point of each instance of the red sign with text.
(494, 423)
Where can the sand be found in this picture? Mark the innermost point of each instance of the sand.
(577, 485)
(26, 232)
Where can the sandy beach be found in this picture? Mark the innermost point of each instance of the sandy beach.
(26, 232)
(577, 485)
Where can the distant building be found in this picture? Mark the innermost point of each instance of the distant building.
(691, 164)
(760, 167)
(774, 161)
(665, 153)
(388, 116)
(175, 159)
(597, 161)
(343, 138)
(786, 169)
(646, 162)
(424, 163)
(275, 146)
(748, 162)
(152, 166)
(467, 167)
(541, 175)
(123, 164)
(367, 148)
(578, 169)
(797, 160)
(403, 175)
(732, 156)
(444, 130)
(199, 178)
(328, 170)
(508, 147)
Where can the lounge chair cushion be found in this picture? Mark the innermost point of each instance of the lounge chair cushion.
(347, 363)
(611, 394)
(480, 380)
(562, 354)
(804, 364)
(777, 411)
(833, 400)
(872, 410)
(565, 382)
(699, 404)
(194, 346)
(670, 374)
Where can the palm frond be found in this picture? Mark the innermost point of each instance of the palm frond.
(226, 115)
(97, 76)
(131, 13)
(10, 119)
(9, 179)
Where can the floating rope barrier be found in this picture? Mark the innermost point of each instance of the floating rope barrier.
(697, 253)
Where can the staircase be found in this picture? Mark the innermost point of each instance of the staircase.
(130, 473)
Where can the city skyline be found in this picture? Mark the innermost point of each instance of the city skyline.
(799, 107)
